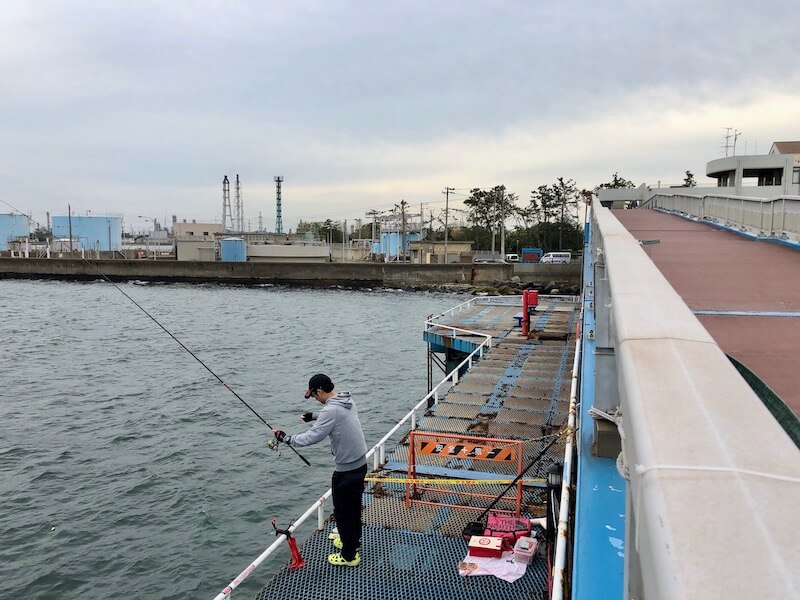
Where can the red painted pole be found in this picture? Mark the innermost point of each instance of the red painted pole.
(525, 317)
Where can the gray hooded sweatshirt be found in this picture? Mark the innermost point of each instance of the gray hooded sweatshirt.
(339, 420)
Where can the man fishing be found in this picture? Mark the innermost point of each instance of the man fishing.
(338, 419)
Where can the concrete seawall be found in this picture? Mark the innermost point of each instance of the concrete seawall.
(310, 274)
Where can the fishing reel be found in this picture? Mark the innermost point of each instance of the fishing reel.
(274, 445)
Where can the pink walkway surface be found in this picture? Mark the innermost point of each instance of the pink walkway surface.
(717, 270)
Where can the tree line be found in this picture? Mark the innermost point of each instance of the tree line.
(551, 219)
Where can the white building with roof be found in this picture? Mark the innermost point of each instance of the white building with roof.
(753, 175)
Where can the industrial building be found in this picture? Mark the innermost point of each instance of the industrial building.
(429, 252)
(12, 227)
(91, 232)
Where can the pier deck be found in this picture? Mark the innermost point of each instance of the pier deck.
(518, 391)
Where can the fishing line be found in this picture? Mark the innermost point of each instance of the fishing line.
(180, 343)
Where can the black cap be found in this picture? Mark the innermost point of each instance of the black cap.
(319, 382)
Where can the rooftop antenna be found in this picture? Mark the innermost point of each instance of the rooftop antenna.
(727, 138)
(278, 219)
(736, 135)
(227, 218)
(239, 210)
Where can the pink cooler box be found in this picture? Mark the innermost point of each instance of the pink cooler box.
(525, 550)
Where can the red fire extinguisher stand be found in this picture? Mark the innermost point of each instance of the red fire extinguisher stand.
(530, 300)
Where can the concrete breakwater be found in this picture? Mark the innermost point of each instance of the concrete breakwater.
(305, 274)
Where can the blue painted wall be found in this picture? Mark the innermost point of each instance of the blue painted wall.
(390, 242)
(11, 228)
(90, 232)
(233, 250)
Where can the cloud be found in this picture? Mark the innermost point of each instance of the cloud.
(110, 105)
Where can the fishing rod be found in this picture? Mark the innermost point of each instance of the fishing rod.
(194, 356)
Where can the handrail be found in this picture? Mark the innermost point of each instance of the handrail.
(377, 449)
(566, 481)
(764, 217)
(455, 309)
(377, 452)
(501, 300)
(225, 593)
(693, 428)
(429, 325)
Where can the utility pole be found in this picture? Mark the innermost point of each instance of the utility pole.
(446, 193)
(503, 225)
(374, 214)
(561, 222)
(402, 229)
(69, 219)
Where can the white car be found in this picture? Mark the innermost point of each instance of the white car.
(557, 258)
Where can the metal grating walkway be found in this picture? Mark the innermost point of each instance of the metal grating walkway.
(397, 564)
(518, 390)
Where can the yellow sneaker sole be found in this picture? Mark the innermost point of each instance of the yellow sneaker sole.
(338, 560)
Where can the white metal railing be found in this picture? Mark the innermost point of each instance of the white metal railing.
(566, 481)
(377, 452)
(497, 301)
(710, 469)
(773, 217)
(455, 310)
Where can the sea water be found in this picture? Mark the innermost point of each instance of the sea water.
(128, 470)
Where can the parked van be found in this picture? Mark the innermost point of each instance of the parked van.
(557, 258)
(512, 257)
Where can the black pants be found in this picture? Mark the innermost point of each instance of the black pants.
(347, 489)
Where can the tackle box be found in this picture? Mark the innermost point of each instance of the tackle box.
(485, 545)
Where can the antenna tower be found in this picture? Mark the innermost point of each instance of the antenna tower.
(227, 218)
(728, 136)
(278, 219)
(238, 208)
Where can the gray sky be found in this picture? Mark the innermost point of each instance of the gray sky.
(142, 107)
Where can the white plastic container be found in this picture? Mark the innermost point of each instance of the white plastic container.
(525, 550)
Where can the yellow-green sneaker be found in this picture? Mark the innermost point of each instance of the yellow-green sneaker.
(337, 559)
(337, 543)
